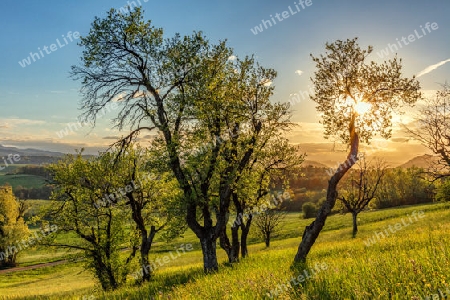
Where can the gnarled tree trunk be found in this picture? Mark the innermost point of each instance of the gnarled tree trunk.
(313, 230)
(245, 228)
(208, 243)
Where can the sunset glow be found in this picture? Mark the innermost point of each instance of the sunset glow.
(362, 107)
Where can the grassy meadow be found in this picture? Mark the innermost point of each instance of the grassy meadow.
(412, 263)
(27, 181)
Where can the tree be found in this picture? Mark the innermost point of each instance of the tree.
(153, 203)
(268, 222)
(12, 226)
(360, 186)
(356, 100)
(211, 113)
(403, 187)
(89, 202)
(433, 130)
(443, 190)
(269, 168)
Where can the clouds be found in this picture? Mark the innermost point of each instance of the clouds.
(299, 72)
(14, 122)
(432, 67)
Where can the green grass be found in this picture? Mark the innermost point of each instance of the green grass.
(412, 263)
(27, 181)
(9, 168)
(35, 206)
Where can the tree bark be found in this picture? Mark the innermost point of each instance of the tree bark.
(231, 249)
(267, 239)
(208, 243)
(146, 245)
(313, 230)
(245, 228)
(355, 224)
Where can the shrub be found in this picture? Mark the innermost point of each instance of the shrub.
(309, 210)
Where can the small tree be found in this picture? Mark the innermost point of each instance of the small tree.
(153, 204)
(309, 210)
(356, 100)
(268, 168)
(360, 186)
(89, 202)
(268, 222)
(12, 226)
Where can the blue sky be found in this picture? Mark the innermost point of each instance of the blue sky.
(40, 99)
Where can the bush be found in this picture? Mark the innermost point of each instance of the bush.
(309, 210)
(443, 191)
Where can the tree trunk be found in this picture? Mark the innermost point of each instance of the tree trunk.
(209, 253)
(146, 245)
(245, 228)
(312, 231)
(355, 224)
(267, 239)
(235, 245)
(231, 249)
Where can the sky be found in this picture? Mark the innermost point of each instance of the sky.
(39, 101)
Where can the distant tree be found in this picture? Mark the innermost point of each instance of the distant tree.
(443, 190)
(356, 100)
(359, 187)
(433, 130)
(404, 187)
(309, 210)
(12, 227)
(268, 222)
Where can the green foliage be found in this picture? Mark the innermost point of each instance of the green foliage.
(443, 190)
(12, 227)
(79, 185)
(309, 210)
(403, 187)
(343, 79)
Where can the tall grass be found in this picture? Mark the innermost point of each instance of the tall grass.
(412, 263)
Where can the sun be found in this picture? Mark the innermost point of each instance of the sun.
(362, 107)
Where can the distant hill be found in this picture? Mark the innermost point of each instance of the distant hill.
(31, 156)
(422, 161)
(5, 151)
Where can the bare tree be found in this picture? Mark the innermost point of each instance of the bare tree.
(359, 187)
(268, 222)
(433, 130)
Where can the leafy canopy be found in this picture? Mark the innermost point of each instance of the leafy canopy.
(352, 92)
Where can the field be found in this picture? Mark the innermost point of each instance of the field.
(409, 263)
(27, 181)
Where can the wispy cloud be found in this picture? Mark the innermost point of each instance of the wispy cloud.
(10, 123)
(432, 67)
(299, 72)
